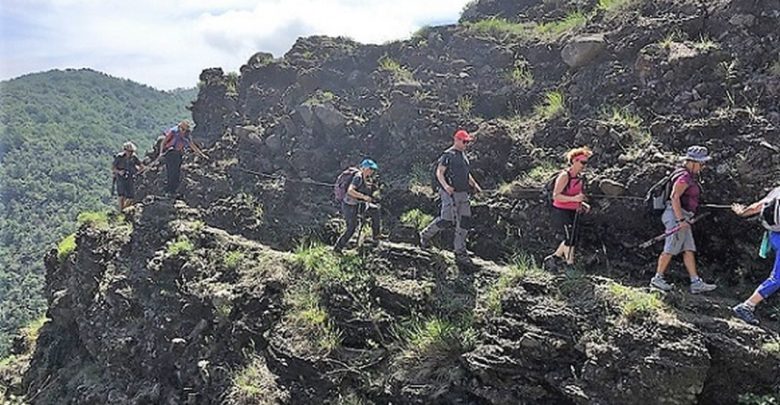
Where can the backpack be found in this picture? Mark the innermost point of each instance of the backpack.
(660, 192)
(549, 187)
(435, 184)
(343, 182)
(177, 138)
(770, 215)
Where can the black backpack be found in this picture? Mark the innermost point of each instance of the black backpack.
(435, 184)
(770, 215)
(660, 192)
(549, 187)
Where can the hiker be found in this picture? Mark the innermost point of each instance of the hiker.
(125, 167)
(177, 141)
(681, 207)
(770, 219)
(357, 201)
(454, 181)
(568, 202)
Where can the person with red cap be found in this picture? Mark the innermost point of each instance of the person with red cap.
(454, 181)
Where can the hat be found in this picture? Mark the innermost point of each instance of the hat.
(462, 135)
(186, 124)
(369, 164)
(129, 146)
(697, 154)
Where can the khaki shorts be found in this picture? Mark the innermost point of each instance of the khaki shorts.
(680, 241)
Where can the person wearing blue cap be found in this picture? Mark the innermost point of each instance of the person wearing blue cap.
(681, 207)
(358, 198)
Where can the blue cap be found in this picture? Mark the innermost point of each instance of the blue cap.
(370, 164)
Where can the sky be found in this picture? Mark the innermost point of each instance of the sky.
(166, 43)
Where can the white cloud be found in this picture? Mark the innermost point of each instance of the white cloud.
(167, 43)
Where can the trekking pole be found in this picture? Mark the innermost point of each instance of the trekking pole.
(670, 232)
(360, 225)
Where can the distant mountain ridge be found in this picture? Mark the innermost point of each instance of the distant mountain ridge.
(58, 132)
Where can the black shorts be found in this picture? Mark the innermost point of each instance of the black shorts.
(125, 187)
(564, 226)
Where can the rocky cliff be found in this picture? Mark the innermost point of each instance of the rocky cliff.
(225, 296)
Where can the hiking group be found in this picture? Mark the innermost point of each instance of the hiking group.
(676, 198)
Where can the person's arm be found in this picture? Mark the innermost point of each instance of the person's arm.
(352, 192)
(473, 183)
(750, 210)
(677, 191)
(163, 143)
(440, 170)
(560, 185)
(139, 165)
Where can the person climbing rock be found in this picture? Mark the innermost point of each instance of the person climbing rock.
(569, 201)
(769, 209)
(177, 140)
(681, 207)
(357, 201)
(454, 182)
(125, 167)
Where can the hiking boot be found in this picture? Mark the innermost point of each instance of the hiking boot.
(699, 286)
(744, 312)
(550, 263)
(660, 283)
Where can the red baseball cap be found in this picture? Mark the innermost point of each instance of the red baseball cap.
(462, 135)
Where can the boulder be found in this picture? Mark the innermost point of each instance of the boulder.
(582, 50)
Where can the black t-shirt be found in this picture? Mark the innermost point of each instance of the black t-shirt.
(457, 173)
(361, 186)
(127, 163)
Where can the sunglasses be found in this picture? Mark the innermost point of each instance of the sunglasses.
(584, 162)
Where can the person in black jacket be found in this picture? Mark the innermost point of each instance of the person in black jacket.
(454, 183)
(125, 167)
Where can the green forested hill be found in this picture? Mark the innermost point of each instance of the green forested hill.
(58, 132)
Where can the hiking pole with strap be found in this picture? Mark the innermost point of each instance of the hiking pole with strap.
(670, 232)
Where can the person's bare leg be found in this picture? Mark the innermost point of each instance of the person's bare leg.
(663, 263)
(689, 258)
(570, 255)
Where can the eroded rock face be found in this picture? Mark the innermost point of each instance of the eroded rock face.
(173, 310)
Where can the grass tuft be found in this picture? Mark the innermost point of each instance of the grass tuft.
(613, 5)
(552, 106)
(499, 27)
(398, 71)
(521, 75)
(523, 266)
(635, 303)
(554, 29)
(181, 245)
(66, 247)
(233, 259)
(93, 218)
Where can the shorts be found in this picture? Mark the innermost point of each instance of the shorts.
(680, 241)
(125, 187)
(563, 222)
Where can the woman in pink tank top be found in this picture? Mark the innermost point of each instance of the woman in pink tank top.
(568, 201)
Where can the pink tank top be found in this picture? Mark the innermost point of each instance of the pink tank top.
(573, 188)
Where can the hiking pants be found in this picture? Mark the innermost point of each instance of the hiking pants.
(351, 213)
(455, 211)
(173, 170)
(772, 284)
